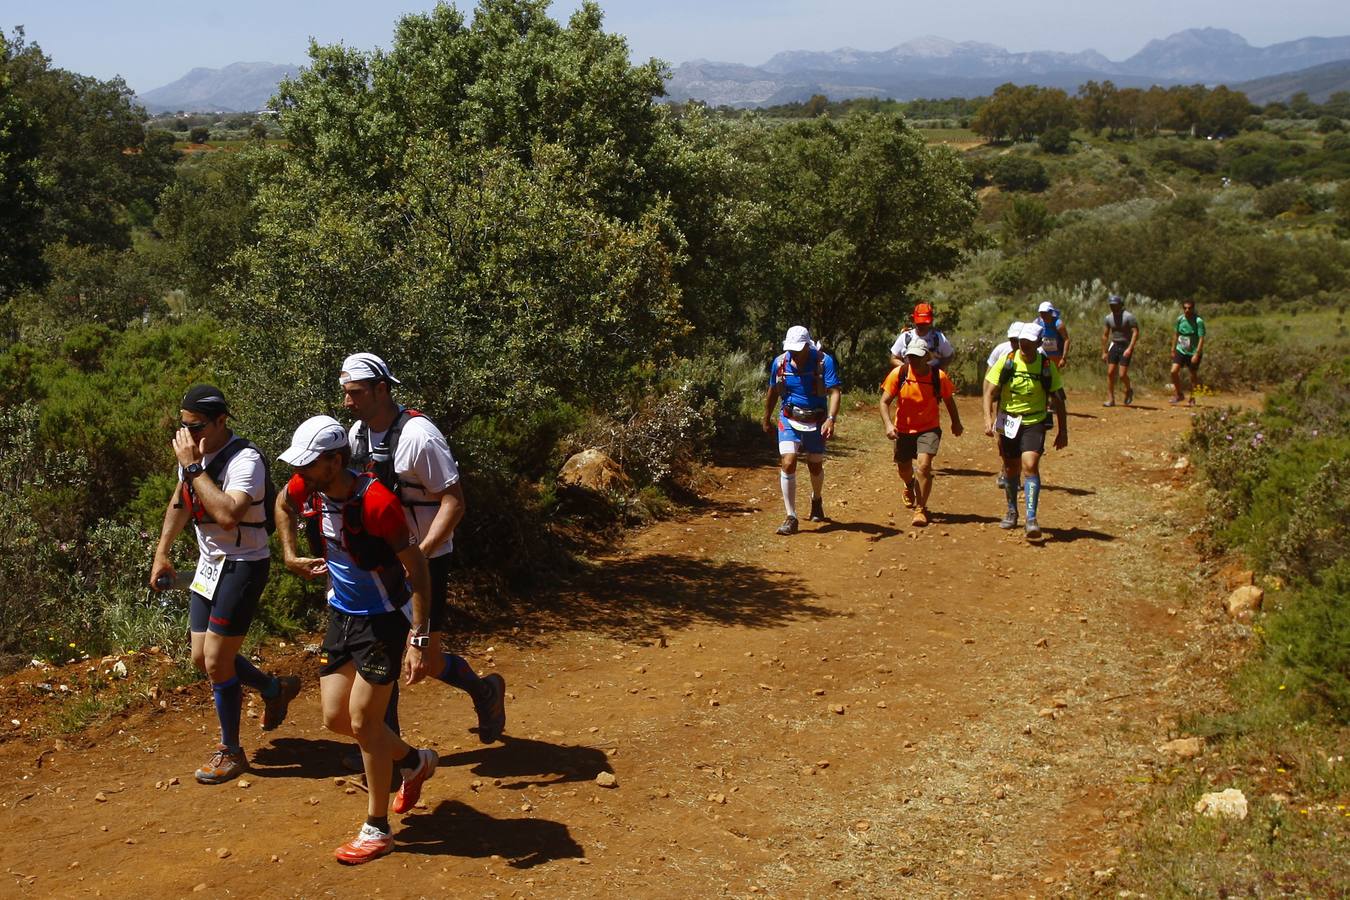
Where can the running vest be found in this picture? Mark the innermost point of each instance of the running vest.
(1050, 338)
(188, 497)
(367, 551)
(816, 374)
(379, 459)
(1010, 366)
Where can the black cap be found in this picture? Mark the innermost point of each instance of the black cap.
(206, 399)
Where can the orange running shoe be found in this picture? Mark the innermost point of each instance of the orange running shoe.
(411, 789)
(920, 517)
(369, 843)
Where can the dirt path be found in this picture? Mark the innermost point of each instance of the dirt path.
(864, 707)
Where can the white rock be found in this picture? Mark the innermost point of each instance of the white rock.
(1245, 600)
(1229, 804)
(607, 780)
(119, 669)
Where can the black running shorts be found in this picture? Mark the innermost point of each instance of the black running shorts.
(1187, 362)
(1030, 439)
(374, 644)
(230, 612)
(1115, 354)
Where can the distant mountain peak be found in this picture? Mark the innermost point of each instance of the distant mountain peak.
(237, 87)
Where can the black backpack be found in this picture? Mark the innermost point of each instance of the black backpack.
(214, 469)
(367, 551)
(379, 459)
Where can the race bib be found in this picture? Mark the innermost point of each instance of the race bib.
(1011, 425)
(209, 569)
(1184, 343)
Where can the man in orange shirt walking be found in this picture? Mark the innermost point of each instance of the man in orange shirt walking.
(914, 423)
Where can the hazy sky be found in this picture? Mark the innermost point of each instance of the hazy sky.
(153, 43)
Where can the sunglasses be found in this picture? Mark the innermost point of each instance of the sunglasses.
(193, 426)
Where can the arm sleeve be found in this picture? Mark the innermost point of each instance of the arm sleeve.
(1200, 327)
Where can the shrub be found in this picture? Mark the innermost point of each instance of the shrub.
(1193, 155)
(1329, 124)
(1019, 173)
(1278, 198)
(1055, 140)
(199, 135)
(1310, 633)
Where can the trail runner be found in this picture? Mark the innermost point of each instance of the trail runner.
(805, 387)
(910, 415)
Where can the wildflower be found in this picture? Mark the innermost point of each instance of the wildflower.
(1281, 686)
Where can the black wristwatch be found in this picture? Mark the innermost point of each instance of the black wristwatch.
(192, 471)
(419, 639)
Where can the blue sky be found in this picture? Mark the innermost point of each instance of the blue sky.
(153, 43)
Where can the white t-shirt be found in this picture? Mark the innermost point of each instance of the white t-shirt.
(943, 352)
(423, 463)
(244, 472)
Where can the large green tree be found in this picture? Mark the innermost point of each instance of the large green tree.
(20, 199)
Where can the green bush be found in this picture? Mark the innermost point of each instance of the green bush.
(1194, 155)
(1057, 140)
(1019, 173)
(1278, 198)
(1310, 634)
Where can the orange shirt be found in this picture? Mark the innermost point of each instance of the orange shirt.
(916, 409)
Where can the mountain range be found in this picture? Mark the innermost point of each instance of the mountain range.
(924, 67)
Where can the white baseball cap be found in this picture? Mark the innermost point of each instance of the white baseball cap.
(1014, 330)
(798, 337)
(917, 347)
(1030, 332)
(366, 367)
(314, 437)
(1046, 306)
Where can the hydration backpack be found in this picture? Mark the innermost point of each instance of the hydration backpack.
(188, 497)
(1009, 367)
(932, 370)
(816, 373)
(367, 551)
(378, 460)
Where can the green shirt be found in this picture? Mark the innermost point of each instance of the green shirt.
(1188, 335)
(1023, 395)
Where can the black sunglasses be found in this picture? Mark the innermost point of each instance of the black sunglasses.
(193, 426)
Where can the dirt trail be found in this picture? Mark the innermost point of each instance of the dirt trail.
(863, 707)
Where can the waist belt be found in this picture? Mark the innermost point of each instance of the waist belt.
(805, 413)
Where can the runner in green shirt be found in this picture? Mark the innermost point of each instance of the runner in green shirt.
(1019, 392)
(1186, 351)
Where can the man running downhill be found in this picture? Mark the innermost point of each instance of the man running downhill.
(1187, 350)
(1054, 334)
(1120, 334)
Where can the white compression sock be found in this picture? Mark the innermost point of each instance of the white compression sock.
(789, 485)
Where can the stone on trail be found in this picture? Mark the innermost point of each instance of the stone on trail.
(1245, 601)
(606, 780)
(1184, 748)
(1226, 804)
(593, 470)
(224, 853)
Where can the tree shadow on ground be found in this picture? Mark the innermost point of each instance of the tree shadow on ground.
(1077, 415)
(990, 473)
(1069, 535)
(645, 596)
(532, 763)
(457, 829)
(289, 757)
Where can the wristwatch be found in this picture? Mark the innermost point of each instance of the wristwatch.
(419, 639)
(192, 471)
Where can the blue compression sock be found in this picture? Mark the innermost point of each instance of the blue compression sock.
(458, 673)
(254, 677)
(229, 697)
(1033, 494)
(1010, 490)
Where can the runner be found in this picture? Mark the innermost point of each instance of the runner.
(222, 490)
(367, 552)
(410, 457)
(1190, 344)
(1017, 395)
(915, 423)
(997, 354)
(1119, 335)
(942, 349)
(1054, 335)
(804, 384)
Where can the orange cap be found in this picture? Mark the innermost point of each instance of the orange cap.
(923, 314)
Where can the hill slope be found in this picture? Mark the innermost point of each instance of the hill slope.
(239, 87)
